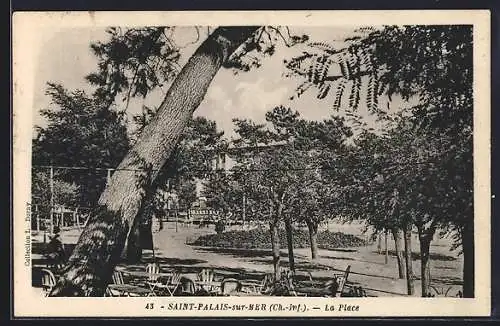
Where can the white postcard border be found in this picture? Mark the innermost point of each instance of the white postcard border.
(26, 46)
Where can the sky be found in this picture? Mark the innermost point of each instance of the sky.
(65, 58)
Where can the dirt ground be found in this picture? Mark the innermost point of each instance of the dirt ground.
(368, 268)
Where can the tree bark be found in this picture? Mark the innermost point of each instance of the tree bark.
(386, 250)
(398, 240)
(313, 239)
(468, 252)
(425, 271)
(98, 249)
(132, 251)
(275, 245)
(289, 240)
(408, 262)
(379, 243)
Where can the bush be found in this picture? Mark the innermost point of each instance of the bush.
(261, 239)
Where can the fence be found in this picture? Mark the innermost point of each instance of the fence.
(57, 202)
(58, 215)
(64, 196)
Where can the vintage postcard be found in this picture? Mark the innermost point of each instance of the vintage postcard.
(251, 164)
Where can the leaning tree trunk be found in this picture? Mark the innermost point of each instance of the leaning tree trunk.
(468, 252)
(425, 271)
(397, 234)
(313, 238)
(99, 247)
(289, 241)
(408, 262)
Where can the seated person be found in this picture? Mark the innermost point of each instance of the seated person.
(55, 249)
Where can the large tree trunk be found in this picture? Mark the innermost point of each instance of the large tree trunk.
(313, 239)
(397, 234)
(386, 249)
(132, 250)
(468, 252)
(275, 245)
(408, 260)
(289, 241)
(98, 249)
(425, 271)
(275, 218)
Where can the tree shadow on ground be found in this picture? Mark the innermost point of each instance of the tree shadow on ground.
(264, 257)
(339, 249)
(239, 253)
(445, 267)
(371, 262)
(173, 261)
(350, 283)
(352, 272)
(302, 265)
(220, 272)
(40, 248)
(383, 291)
(416, 255)
(448, 280)
(336, 257)
(166, 263)
(440, 245)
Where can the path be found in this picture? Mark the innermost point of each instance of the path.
(367, 267)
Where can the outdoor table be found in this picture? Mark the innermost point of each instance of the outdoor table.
(130, 289)
(248, 294)
(146, 274)
(312, 284)
(223, 272)
(161, 277)
(226, 273)
(313, 291)
(210, 287)
(253, 284)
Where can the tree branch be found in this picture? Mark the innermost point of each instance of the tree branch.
(130, 86)
(281, 35)
(257, 39)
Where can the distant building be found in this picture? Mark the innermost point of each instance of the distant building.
(199, 212)
(170, 198)
(223, 160)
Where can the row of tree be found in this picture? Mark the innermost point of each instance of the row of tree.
(292, 170)
(280, 172)
(417, 172)
(428, 67)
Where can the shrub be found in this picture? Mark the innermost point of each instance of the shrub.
(261, 239)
